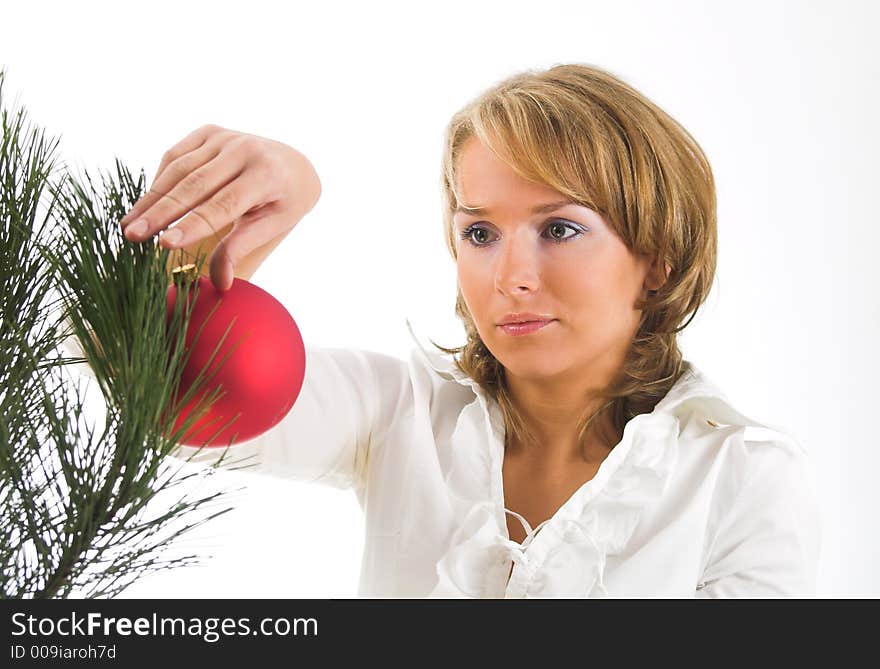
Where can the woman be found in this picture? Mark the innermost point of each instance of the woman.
(566, 449)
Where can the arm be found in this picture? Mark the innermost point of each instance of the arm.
(348, 400)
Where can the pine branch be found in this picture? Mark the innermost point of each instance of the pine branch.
(81, 509)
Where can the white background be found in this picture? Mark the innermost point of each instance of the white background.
(781, 95)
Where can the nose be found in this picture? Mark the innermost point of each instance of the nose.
(517, 270)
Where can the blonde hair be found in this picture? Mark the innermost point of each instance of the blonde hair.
(590, 136)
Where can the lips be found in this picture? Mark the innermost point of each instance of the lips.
(525, 328)
(524, 317)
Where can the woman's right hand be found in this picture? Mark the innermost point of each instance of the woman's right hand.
(215, 177)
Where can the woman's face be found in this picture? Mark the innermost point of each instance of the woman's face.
(566, 264)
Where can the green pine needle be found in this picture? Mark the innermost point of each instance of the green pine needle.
(81, 511)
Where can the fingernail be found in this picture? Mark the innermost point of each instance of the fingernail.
(139, 227)
(172, 236)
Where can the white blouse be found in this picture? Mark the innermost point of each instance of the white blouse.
(690, 503)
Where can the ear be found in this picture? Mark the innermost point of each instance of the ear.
(656, 276)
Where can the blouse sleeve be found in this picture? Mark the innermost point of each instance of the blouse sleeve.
(348, 400)
(768, 543)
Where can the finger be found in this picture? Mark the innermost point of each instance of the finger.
(244, 238)
(215, 138)
(191, 142)
(181, 167)
(191, 191)
(194, 140)
(226, 206)
(255, 230)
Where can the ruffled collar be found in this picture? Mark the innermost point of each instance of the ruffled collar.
(692, 387)
(567, 556)
(442, 364)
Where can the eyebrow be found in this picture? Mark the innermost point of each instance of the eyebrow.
(540, 209)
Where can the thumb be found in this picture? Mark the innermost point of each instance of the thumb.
(222, 269)
(247, 235)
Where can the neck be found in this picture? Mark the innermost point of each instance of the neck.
(552, 409)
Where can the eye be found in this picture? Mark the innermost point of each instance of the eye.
(560, 228)
(476, 234)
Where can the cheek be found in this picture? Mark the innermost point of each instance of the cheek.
(473, 282)
(470, 284)
(599, 291)
(579, 286)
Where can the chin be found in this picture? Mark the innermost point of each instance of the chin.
(532, 362)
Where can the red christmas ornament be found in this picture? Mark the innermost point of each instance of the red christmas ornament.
(260, 379)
